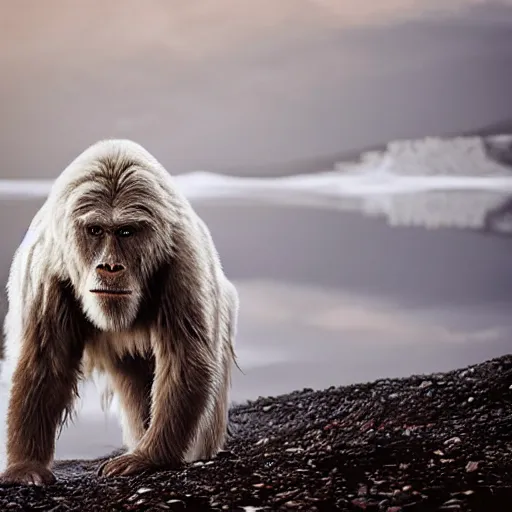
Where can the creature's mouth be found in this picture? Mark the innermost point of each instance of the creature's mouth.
(116, 293)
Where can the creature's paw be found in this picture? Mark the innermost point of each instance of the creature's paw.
(125, 465)
(28, 473)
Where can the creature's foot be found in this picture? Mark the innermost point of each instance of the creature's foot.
(27, 473)
(125, 465)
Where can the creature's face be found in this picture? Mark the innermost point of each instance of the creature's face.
(119, 232)
(114, 280)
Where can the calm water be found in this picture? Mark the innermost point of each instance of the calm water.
(330, 299)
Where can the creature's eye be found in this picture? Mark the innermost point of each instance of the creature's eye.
(95, 230)
(125, 231)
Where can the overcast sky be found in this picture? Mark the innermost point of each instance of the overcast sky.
(229, 84)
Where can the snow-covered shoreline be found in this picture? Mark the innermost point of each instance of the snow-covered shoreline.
(431, 182)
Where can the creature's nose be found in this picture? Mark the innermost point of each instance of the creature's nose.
(107, 268)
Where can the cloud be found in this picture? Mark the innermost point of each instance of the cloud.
(190, 30)
(273, 303)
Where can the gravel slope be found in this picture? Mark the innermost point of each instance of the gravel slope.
(424, 443)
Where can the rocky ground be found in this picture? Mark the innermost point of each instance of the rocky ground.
(425, 443)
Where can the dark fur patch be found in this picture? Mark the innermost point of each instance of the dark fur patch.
(46, 377)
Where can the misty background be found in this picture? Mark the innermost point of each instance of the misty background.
(335, 288)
